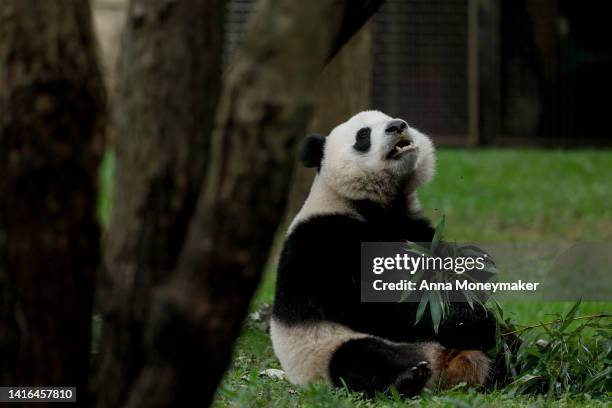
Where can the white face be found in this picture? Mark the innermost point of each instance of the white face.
(372, 155)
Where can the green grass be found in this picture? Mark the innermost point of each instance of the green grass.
(511, 195)
(487, 195)
(243, 387)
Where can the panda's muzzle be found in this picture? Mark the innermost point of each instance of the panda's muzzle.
(398, 129)
(403, 145)
(397, 126)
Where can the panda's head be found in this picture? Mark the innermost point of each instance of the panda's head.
(371, 156)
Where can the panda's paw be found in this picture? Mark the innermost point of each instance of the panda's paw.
(412, 380)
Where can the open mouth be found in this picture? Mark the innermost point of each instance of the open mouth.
(402, 146)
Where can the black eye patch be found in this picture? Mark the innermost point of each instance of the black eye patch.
(362, 140)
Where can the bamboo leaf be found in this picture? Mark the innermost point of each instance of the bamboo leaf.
(438, 234)
(435, 309)
(421, 309)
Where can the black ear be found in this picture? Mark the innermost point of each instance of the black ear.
(312, 151)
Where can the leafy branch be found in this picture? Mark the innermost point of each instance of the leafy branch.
(438, 301)
(556, 357)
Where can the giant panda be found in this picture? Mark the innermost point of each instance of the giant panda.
(368, 171)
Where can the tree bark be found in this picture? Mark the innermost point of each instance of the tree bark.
(52, 115)
(168, 84)
(343, 89)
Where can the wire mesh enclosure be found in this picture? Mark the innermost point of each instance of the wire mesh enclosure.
(420, 67)
(488, 72)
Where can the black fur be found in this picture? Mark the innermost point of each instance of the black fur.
(362, 140)
(400, 366)
(312, 151)
(319, 280)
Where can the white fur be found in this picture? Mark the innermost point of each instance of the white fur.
(321, 200)
(425, 167)
(357, 176)
(347, 175)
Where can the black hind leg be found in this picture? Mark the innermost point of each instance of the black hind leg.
(371, 365)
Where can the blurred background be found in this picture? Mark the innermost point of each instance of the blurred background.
(470, 73)
(528, 79)
(511, 73)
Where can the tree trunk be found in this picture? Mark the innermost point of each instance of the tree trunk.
(343, 89)
(52, 111)
(168, 84)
